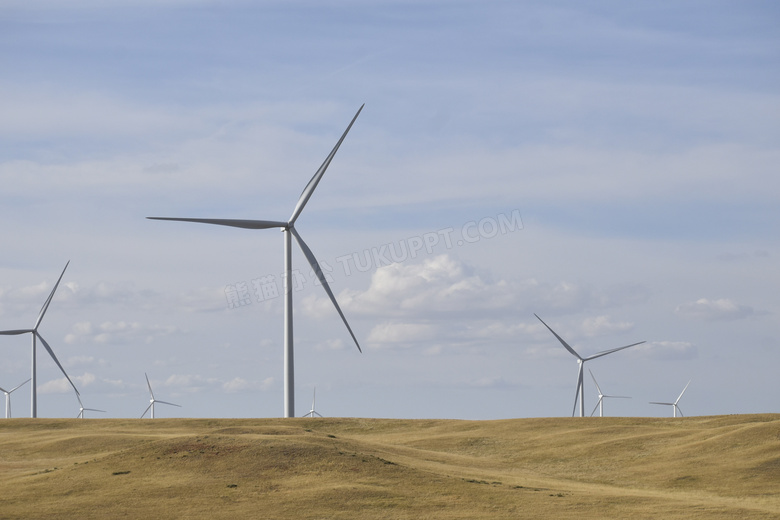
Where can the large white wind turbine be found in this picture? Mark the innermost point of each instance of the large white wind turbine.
(35, 334)
(8, 398)
(580, 392)
(674, 406)
(288, 230)
(82, 409)
(313, 412)
(602, 395)
(152, 400)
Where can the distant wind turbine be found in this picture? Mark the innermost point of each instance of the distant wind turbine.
(313, 412)
(82, 409)
(8, 398)
(288, 229)
(580, 391)
(152, 400)
(602, 395)
(674, 406)
(36, 334)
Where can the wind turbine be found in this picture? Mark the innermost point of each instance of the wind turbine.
(600, 404)
(288, 230)
(152, 400)
(8, 399)
(313, 412)
(580, 392)
(82, 409)
(36, 334)
(674, 406)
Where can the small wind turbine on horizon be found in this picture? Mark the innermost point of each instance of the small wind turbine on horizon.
(35, 334)
(580, 391)
(313, 412)
(674, 406)
(152, 400)
(82, 409)
(602, 395)
(8, 398)
(288, 230)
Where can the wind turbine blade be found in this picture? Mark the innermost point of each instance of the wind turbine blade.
(319, 414)
(166, 402)
(19, 386)
(604, 353)
(597, 406)
(94, 410)
(667, 404)
(149, 385)
(51, 353)
(48, 300)
(678, 409)
(318, 271)
(4, 390)
(309, 189)
(246, 224)
(681, 393)
(147, 409)
(596, 382)
(559, 338)
(15, 332)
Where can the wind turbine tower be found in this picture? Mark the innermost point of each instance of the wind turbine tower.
(289, 232)
(37, 335)
(82, 409)
(152, 400)
(313, 412)
(602, 395)
(8, 398)
(674, 406)
(580, 391)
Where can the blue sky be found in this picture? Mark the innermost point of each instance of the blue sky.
(635, 142)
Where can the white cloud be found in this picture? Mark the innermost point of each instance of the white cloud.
(443, 299)
(204, 299)
(237, 384)
(25, 300)
(190, 382)
(84, 380)
(103, 293)
(668, 350)
(55, 386)
(442, 287)
(722, 309)
(603, 325)
(439, 286)
(117, 333)
(196, 383)
(80, 360)
(330, 344)
(403, 335)
(62, 386)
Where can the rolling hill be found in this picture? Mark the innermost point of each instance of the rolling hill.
(699, 467)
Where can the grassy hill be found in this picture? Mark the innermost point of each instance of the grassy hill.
(699, 467)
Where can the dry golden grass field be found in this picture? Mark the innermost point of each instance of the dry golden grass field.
(699, 467)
